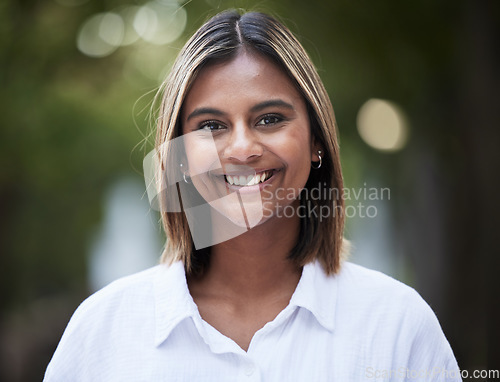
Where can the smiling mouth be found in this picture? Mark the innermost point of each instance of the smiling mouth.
(248, 180)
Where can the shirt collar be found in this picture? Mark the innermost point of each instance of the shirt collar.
(173, 303)
(315, 292)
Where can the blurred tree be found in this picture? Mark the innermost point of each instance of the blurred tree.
(66, 132)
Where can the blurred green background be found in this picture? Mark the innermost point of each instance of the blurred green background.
(77, 81)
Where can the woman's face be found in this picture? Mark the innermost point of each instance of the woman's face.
(247, 138)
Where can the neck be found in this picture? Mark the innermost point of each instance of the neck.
(255, 264)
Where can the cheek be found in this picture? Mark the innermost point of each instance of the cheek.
(201, 155)
(296, 150)
(301, 159)
(303, 169)
(195, 163)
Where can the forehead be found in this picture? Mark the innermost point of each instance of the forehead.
(248, 76)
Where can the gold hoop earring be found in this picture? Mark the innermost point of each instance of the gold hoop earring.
(320, 161)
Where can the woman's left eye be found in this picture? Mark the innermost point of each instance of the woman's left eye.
(269, 120)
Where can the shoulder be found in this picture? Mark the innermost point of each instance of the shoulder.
(132, 289)
(126, 299)
(130, 285)
(364, 277)
(377, 295)
(105, 324)
(362, 282)
(391, 314)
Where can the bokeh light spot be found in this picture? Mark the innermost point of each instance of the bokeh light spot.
(130, 34)
(382, 125)
(160, 22)
(112, 29)
(101, 34)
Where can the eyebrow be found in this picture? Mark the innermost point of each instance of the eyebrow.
(258, 107)
(205, 110)
(271, 103)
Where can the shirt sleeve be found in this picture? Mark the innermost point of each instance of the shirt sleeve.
(66, 363)
(431, 356)
(102, 338)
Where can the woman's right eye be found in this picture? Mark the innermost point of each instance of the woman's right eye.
(211, 126)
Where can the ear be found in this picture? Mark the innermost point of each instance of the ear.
(315, 148)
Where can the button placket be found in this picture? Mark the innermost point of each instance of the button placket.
(249, 370)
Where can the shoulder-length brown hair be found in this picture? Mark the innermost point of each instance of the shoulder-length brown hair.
(221, 38)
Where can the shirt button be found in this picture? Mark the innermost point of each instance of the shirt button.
(249, 369)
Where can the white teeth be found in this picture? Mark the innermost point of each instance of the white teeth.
(249, 180)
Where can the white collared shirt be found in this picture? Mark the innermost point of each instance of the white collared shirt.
(359, 325)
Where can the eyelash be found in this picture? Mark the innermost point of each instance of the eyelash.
(277, 119)
(205, 124)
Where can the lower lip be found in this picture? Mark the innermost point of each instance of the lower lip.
(249, 189)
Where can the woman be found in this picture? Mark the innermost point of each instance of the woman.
(252, 285)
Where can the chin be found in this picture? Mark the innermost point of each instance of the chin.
(243, 210)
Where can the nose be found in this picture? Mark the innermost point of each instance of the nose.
(243, 144)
